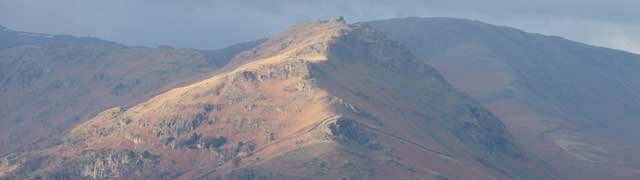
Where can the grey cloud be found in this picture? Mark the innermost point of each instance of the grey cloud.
(216, 23)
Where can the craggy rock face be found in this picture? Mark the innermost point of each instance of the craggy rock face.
(96, 164)
(322, 100)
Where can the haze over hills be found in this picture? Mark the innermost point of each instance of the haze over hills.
(49, 83)
(323, 100)
(575, 105)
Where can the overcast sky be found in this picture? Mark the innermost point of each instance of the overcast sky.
(209, 24)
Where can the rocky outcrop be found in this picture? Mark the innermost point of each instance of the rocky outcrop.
(103, 164)
(349, 130)
(177, 126)
(95, 164)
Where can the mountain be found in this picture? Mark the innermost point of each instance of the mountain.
(323, 100)
(574, 105)
(49, 83)
(11, 38)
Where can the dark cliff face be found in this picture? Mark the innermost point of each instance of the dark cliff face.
(48, 83)
(572, 103)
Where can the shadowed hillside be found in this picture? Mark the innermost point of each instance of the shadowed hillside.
(575, 105)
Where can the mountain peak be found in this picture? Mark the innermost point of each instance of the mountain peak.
(316, 41)
(305, 40)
